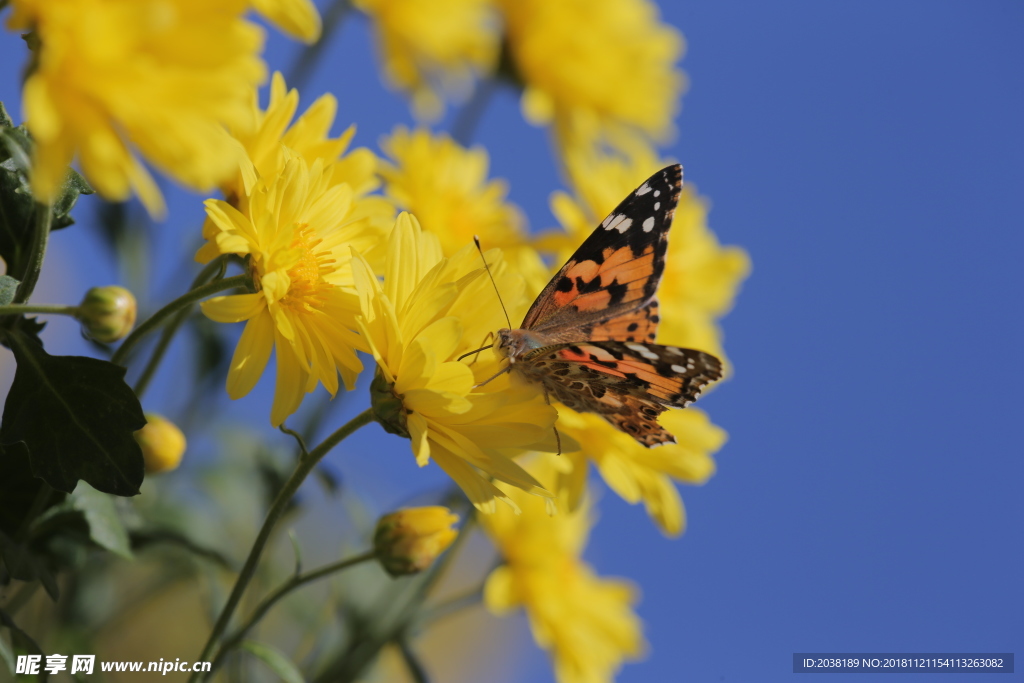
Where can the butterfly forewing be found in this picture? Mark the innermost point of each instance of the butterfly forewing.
(618, 268)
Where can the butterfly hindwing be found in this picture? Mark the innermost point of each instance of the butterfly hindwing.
(627, 383)
(618, 268)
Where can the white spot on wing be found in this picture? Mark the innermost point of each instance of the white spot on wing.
(618, 222)
(657, 205)
(649, 224)
(678, 368)
(643, 351)
(657, 193)
(643, 189)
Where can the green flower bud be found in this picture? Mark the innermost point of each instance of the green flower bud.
(409, 540)
(107, 313)
(162, 444)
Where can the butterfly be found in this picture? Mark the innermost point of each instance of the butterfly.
(588, 339)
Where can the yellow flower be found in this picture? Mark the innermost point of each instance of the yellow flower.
(589, 65)
(298, 237)
(162, 444)
(701, 277)
(445, 186)
(274, 140)
(638, 473)
(586, 622)
(160, 77)
(409, 540)
(298, 18)
(427, 313)
(429, 49)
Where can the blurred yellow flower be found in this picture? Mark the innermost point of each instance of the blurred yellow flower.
(430, 48)
(635, 472)
(701, 277)
(446, 187)
(113, 77)
(298, 238)
(408, 541)
(426, 314)
(585, 621)
(273, 141)
(591, 65)
(162, 443)
(298, 18)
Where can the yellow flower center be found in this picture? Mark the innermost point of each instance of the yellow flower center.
(307, 276)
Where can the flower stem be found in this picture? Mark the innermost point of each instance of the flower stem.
(40, 238)
(277, 509)
(211, 269)
(288, 586)
(49, 309)
(182, 301)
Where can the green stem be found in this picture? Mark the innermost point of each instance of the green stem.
(277, 509)
(40, 238)
(468, 118)
(211, 269)
(288, 586)
(182, 301)
(412, 662)
(396, 620)
(47, 309)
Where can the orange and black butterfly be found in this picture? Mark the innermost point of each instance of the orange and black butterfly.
(588, 339)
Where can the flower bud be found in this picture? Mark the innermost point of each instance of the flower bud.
(409, 540)
(107, 313)
(162, 444)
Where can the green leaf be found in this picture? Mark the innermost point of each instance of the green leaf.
(276, 660)
(23, 642)
(24, 565)
(8, 288)
(7, 654)
(77, 416)
(17, 204)
(105, 527)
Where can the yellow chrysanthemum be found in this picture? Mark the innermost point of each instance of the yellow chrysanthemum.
(701, 277)
(298, 236)
(635, 472)
(161, 77)
(592, 64)
(273, 141)
(430, 49)
(586, 622)
(426, 314)
(297, 18)
(446, 187)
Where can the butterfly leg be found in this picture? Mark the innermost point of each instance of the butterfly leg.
(558, 439)
(489, 337)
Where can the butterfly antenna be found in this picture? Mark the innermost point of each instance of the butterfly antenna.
(476, 241)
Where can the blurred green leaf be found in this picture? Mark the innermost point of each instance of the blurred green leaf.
(77, 417)
(17, 205)
(7, 654)
(276, 660)
(24, 643)
(23, 564)
(105, 527)
(144, 538)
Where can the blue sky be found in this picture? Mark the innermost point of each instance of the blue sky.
(869, 156)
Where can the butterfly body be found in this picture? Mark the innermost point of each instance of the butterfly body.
(587, 341)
